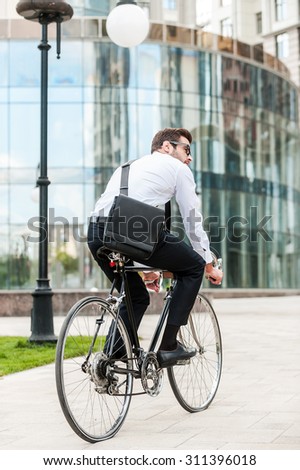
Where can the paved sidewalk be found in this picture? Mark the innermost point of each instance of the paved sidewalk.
(257, 405)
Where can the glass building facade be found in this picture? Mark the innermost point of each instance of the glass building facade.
(105, 104)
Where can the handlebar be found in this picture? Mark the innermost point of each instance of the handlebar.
(216, 262)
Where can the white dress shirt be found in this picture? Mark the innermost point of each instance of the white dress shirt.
(154, 179)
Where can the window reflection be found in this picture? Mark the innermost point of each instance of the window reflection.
(91, 7)
(24, 134)
(22, 208)
(280, 10)
(66, 134)
(227, 28)
(4, 155)
(105, 104)
(69, 72)
(282, 45)
(3, 63)
(24, 68)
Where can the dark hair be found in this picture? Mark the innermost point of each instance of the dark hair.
(169, 134)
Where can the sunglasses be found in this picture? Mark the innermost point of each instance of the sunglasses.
(187, 148)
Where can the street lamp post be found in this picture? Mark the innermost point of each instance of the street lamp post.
(44, 12)
(127, 26)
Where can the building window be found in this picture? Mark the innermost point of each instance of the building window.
(170, 11)
(282, 45)
(226, 28)
(91, 7)
(280, 10)
(259, 23)
(170, 4)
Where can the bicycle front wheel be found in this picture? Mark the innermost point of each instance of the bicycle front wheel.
(195, 384)
(94, 387)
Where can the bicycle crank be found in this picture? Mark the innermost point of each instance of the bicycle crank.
(151, 375)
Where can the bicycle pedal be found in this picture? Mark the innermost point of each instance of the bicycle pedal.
(183, 362)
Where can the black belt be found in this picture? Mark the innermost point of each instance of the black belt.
(98, 220)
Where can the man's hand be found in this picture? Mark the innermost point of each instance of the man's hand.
(214, 275)
(151, 280)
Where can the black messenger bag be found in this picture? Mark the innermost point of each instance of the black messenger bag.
(133, 227)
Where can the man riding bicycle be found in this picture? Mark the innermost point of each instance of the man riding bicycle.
(154, 179)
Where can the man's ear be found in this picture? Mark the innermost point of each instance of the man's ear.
(167, 147)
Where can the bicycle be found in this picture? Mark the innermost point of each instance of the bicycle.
(96, 364)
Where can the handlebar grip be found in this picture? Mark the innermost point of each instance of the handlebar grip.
(219, 263)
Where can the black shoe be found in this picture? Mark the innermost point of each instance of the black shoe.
(170, 358)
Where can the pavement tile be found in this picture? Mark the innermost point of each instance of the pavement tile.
(257, 405)
(260, 446)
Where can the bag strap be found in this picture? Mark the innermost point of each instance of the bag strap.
(124, 177)
(124, 190)
(168, 216)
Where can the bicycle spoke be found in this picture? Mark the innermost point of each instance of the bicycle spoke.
(87, 383)
(195, 384)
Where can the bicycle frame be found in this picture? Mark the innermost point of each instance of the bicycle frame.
(125, 295)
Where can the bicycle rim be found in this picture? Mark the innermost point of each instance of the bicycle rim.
(90, 408)
(195, 383)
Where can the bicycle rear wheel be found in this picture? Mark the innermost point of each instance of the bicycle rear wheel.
(94, 389)
(195, 384)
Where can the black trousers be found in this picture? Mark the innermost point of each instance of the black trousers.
(171, 254)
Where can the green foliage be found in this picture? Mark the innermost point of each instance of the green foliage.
(69, 263)
(14, 271)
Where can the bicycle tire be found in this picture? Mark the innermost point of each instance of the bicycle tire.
(195, 384)
(93, 413)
